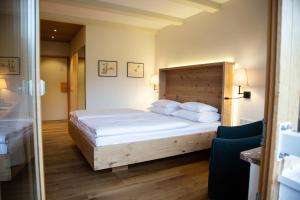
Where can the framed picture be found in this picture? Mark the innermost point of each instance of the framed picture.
(107, 68)
(135, 70)
(9, 66)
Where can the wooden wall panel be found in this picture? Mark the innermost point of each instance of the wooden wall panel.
(227, 92)
(206, 83)
(199, 84)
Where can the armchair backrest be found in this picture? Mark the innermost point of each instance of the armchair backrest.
(243, 131)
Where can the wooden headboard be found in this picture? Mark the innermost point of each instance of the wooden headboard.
(206, 83)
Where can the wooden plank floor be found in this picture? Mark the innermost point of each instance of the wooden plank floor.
(68, 175)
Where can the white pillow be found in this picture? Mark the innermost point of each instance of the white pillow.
(198, 107)
(166, 103)
(197, 117)
(163, 110)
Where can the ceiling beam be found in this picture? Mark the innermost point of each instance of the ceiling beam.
(122, 10)
(205, 5)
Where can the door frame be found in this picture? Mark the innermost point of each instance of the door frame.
(281, 90)
(268, 146)
(68, 77)
(34, 37)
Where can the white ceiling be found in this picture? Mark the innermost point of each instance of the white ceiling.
(153, 14)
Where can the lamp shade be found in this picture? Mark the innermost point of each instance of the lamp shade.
(3, 84)
(155, 80)
(240, 77)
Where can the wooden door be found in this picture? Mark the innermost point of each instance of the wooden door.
(73, 82)
(283, 87)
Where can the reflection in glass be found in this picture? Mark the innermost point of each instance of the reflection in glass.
(17, 66)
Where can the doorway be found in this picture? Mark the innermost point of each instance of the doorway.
(59, 43)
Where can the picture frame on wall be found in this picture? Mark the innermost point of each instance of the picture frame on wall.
(9, 65)
(135, 70)
(107, 68)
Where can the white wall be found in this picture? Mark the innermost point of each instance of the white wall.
(238, 32)
(54, 102)
(122, 44)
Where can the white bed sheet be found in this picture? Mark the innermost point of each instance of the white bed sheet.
(3, 149)
(106, 124)
(11, 127)
(12, 133)
(89, 114)
(193, 128)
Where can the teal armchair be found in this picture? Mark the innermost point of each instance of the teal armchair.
(228, 174)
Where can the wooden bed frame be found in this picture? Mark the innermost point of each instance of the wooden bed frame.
(113, 156)
(208, 83)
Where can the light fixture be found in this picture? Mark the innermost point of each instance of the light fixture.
(52, 37)
(241, 79)
(155, 82)
(54, 30)
(2, 86)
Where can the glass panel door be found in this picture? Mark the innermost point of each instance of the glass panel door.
(21, 166)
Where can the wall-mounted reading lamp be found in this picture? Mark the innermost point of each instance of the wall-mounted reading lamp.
(155, 82)
(241, 79)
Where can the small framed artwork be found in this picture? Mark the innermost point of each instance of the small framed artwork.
(107, 68)
(9, 66)
(135, 70)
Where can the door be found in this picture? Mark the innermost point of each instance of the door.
(54, 72)
(73, 84)
(81, 79)
(77, 75)
(21, 164)
(283, 89)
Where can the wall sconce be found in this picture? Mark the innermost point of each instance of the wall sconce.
(155, 82)
(2, 86)
(241, 79)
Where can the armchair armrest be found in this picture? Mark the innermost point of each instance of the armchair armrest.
(244, 131)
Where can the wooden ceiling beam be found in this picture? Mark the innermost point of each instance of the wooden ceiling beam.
(205, 5)
(100, 6)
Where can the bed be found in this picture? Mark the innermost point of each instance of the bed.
(15, 135)
(207, 83)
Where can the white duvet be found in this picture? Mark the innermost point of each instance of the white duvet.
(87, 114)
(111, 123)
(11, 127)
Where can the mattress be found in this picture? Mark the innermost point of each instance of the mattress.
(104, 126)
(192, 128)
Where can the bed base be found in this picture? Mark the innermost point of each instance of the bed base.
(5, 170)
(115, 156)
(8, 172)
